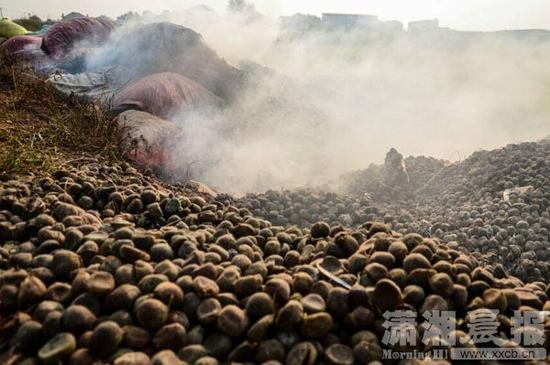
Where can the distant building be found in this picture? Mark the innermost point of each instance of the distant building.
(423, 26)
(299, 23)
(362, 28)
(332, 21)
(391, 27)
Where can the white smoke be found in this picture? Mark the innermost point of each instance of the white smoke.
(348, 103)
(334, 102)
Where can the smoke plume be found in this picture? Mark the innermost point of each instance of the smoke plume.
(321, 103)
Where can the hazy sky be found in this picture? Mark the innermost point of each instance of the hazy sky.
(459, 14)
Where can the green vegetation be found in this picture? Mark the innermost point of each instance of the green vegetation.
(33, 23)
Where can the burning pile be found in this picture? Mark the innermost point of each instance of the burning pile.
(104, 263)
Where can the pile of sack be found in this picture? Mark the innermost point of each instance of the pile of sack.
(58, 42)
(148, 77)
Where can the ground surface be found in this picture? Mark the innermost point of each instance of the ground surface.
(40, 130)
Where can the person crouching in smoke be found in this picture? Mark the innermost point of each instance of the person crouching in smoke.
(396, 176)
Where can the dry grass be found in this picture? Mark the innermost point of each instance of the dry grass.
(40, 129)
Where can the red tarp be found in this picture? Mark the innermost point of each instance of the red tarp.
(146, 140)
(64, 35)
(164, 95)
(21, 48)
